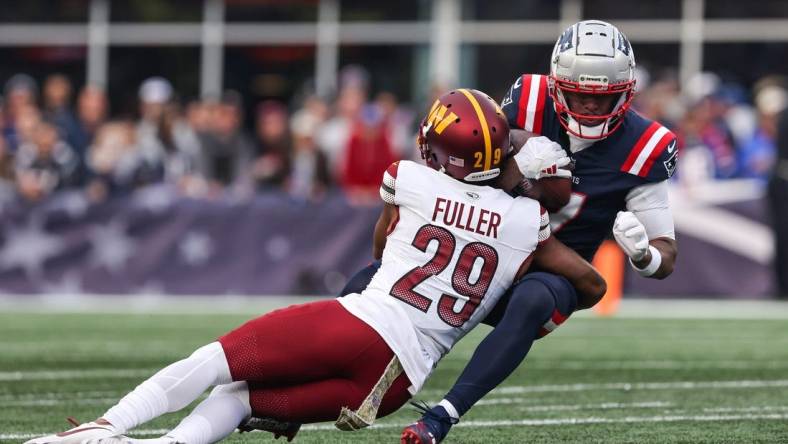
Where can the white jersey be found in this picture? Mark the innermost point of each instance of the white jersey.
(455, 249)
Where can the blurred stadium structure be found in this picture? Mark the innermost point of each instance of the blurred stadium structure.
(203, 208)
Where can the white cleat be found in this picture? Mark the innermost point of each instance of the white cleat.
(80, 434)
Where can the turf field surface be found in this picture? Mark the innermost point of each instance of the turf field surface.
(659, 372)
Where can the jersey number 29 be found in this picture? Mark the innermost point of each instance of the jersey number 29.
(471, 292)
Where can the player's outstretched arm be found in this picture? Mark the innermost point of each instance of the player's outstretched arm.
(386, 222)
(555, 257)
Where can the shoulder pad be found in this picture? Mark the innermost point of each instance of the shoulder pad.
(654, 154)
(525, 102)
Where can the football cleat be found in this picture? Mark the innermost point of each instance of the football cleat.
(80, 433)
(432, 428)
(279, 428)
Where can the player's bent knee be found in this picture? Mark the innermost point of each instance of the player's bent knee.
(238, 390)
(549, 298)
(531, 299)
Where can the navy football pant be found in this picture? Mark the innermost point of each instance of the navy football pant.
(533, 307)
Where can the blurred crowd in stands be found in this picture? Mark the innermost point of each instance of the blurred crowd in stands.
(56, 136)
(53, 139)
(725, 131)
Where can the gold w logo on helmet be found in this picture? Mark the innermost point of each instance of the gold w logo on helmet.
(437, 117)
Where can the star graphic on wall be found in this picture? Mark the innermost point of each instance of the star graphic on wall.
(74, 203)
(69, 284)
(278, 247)
(195, 248)
(155, 198)
(28, 247)
(112, 246)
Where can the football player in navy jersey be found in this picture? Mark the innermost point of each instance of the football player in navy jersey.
(622, 161)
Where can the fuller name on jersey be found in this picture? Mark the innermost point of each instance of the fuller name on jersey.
(641, 151)
(452, 253)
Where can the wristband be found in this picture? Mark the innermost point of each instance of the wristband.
(653, 266)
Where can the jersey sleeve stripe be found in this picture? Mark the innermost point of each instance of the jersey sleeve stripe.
(387, 194)
(639, 146)
(533, 99)
(392, 169)
(389, 181)
(663, 143)
(539, 112)
(521, 106)
(388, 186)
(648, 150)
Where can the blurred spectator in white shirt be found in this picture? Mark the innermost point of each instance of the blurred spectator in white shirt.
(309, 174)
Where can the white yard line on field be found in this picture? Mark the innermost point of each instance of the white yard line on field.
(591, 420)
(569, 407)
(118, 373)
(631, 307)
(507, 423)
(41, 375)
(626, 386)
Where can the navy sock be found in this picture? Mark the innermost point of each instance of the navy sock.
(360, 280)
(533, 301)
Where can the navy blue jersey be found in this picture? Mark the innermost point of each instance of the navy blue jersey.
(640, 151)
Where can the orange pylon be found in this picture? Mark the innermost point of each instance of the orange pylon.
(610, 261)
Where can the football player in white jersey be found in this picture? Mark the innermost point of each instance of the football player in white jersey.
(450, 245)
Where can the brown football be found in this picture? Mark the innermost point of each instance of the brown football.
(554, 192)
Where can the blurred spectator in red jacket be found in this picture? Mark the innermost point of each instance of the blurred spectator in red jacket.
(367, 155)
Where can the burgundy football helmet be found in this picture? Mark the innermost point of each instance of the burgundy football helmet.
(465, 135)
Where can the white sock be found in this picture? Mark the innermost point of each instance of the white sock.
(172, 388)
(449, 409)
(216, 417)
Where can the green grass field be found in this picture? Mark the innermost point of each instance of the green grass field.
(596, 380)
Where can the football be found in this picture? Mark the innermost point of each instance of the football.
(554, 192)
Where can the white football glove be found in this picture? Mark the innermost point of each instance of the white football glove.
(541, 157)
(630, 235)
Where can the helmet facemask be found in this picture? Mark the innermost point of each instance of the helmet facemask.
(600, 125)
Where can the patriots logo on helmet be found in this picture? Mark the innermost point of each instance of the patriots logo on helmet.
(623, 44)
(565, 41)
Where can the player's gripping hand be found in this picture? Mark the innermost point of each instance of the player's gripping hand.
(541, 157)
(630, 235)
